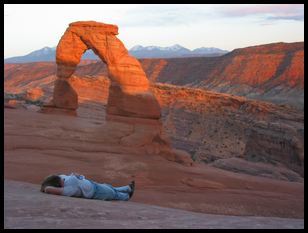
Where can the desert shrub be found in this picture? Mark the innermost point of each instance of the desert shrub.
(12, 96)
(36, 102)
(163, 87)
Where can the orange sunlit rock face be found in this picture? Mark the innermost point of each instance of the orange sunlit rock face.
(124, 70)
(130, 99)
(272, 72)
(34, 94)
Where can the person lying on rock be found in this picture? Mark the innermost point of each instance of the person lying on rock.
(76, 185)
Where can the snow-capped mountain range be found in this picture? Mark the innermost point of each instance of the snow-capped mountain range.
(173, 51)
(138, 51)
(175, 47)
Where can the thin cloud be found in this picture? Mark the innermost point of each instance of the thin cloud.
(165, 15)
(291, 17)
(268, 11)
(157, 15)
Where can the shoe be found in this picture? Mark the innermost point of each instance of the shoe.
(132, 187)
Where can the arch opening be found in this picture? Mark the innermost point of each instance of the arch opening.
(130, 99)
(129, 92)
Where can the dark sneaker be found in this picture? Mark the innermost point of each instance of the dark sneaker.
(132, 187)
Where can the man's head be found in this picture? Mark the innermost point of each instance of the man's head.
(52, 180)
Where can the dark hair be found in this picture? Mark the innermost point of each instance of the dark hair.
(52, 180)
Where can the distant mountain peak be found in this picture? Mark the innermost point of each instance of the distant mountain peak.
(136, 48)
(46, 48)
(209, 50)
(175, 50)
(176, 46)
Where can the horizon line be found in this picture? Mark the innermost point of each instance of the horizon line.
(170, 46)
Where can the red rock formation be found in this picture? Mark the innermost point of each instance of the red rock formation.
(210, 126)
(130, 99)
(125, 72)
(130, 87)
(213, 126)
(21, 77)
(272, 72)
(34, 94)
(195, 117)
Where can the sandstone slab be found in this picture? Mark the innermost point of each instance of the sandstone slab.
(26, 207)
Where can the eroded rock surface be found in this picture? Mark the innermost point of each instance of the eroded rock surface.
(129, 85)
(130, 99)
(45, 144)
(26, 207)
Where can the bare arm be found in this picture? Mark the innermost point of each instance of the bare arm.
(79, 176)
(75, 174)
(53, 190)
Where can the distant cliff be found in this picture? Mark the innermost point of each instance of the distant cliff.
(272, 72)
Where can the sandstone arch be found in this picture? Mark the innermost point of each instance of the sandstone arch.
(130, 95)
(130, 99)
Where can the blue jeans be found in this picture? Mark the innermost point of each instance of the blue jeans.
(107, 192)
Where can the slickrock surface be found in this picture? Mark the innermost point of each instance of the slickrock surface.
(26, 207)
(45, 144)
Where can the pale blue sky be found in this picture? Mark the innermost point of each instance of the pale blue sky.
(33, 26)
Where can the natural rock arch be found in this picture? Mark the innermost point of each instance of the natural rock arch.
(129, 93)
(130, 99)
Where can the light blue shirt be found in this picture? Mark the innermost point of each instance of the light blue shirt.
(77, 187)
